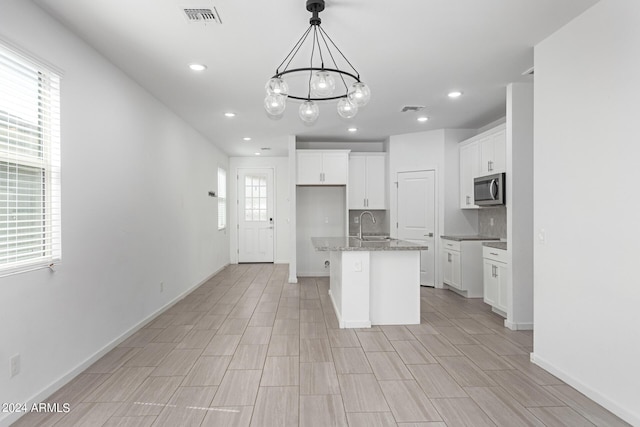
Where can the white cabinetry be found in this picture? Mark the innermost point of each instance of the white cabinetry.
(367, 189)
(322, 167)
(496, 279)
(484, 154)
(462, 266)
(469, 169)
(493, 153)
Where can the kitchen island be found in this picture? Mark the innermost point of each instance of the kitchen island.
(373, 282)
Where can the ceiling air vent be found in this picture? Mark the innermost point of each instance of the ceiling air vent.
(412, 108)
(202, 15)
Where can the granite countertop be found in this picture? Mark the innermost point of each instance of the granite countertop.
(355, 244)
(496, 245)
(471, 237)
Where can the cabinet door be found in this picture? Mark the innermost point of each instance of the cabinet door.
(376, 192)
(486, 156)
(499, 152)
(469, 169)
(335, 168)
(456, 270)
(309, 166)
(490, 283)
(357, 182)
(447, 266)
(493, 154)
(451, 268)
(502, 285)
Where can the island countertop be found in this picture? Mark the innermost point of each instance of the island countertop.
(355, 244)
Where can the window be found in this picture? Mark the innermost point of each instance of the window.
(222, 199)
(255, 194)
(29, 164)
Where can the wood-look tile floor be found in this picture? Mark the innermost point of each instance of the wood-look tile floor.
(249, 349)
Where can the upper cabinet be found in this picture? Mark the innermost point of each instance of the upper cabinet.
(469, 169)
(493, 153)
(322, 167)
(367, 189)
(484, 154)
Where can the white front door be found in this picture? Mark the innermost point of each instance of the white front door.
(416, 217)
(255, 215)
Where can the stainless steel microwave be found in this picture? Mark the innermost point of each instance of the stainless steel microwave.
(489, 190)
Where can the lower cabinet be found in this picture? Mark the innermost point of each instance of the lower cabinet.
(496, 279)
(462, 266)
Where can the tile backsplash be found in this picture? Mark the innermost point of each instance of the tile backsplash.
(381, 227)
(499, 227)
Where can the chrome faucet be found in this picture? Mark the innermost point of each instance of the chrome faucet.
(373, 219)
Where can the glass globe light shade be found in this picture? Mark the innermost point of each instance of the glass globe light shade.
(309, 112)
(323, 84)
(277, 86)
(275, 104)
(346, 109)
(359, 94)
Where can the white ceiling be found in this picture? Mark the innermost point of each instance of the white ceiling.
(408, 51)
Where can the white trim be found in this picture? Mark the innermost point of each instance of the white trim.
(514, 326)
(347, 324)
(596, 396)
(313, 274)
(66, 378)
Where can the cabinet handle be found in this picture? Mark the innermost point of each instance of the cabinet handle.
(448, 257)
(494, 254)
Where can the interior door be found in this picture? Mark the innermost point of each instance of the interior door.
(416, 217)
(255, 215)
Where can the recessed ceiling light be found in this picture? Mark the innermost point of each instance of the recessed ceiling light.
(455, 94)
(353, 129)
(257, 154)
(229, 114)
(423, 118)
(246, 138)
(197, 67)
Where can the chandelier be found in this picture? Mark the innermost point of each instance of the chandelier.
(316, 82)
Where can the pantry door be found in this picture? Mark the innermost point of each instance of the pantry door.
(255, 215)
(416, 217)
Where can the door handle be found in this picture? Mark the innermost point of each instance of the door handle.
(428, 235)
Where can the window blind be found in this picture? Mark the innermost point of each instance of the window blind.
(29, 163)
(222, 198)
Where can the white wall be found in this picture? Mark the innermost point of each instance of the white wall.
(435, 150)
(135, 212)
(280, 166)
(519, 189)
(586, 153)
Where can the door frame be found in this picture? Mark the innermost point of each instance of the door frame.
(437, 206)
(236, 228)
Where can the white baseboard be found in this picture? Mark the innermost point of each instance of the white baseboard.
(517, 326)
(624, 413)
(66, 378)
(314, 274)
(348, 323)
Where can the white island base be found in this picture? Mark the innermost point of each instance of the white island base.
(375, 287)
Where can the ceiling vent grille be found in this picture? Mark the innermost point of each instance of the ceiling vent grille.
(204, 16)
(412, 108)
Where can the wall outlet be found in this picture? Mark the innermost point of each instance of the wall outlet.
(326, 220)
(357, 266)
(14, 365)
(161, 287)
(491, 222)
(356, 219)
(542, 236)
